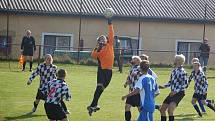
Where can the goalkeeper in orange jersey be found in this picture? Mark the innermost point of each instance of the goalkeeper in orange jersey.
(104, 53)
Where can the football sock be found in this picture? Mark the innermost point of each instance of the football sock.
(127, 115)
(23, 66)
(97, 95)
(197, 109)
(210, 106)
(171, 118)
(201, 106)
(63, 106)
(31, 64)
(163, 118)
(209, 101)
(157, 107)
(35, 105)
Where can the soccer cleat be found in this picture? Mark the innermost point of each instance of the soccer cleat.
(67, 112)
(90, 110)
(34, 109)
(200, 115)
(30, 70)
(96, 108)
(158, 107)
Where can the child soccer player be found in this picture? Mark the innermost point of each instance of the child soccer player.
(134, 100)
(152, 73)
(47, 72)
(178, 82)
(200, 87)
(147, 88)
(199, 101)
(57, 90)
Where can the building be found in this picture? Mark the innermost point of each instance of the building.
(166, 26)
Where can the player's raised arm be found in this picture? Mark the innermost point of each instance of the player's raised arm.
(110, 32)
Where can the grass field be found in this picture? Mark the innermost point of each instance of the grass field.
(16, 97)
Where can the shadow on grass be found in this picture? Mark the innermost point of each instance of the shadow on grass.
(211, 77)
(15, 71)
(24, 116)
(185, 117)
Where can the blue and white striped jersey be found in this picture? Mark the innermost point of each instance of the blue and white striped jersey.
(134, 76)
(178, 80)
(56, 90)
(201, 82)
(152, 73)
(148, 88)
(46, 73)
(135, 73)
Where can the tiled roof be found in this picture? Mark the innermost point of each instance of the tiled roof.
(156, 9)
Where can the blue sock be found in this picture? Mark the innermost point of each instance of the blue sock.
(201, 106)
(197, 109)
(157, 107)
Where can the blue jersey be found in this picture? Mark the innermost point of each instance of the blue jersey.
(148, 87)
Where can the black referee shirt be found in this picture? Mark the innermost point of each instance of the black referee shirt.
(28, 43)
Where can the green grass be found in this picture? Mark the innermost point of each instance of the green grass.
(16, 97)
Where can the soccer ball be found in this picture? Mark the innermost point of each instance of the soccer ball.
(109, 12)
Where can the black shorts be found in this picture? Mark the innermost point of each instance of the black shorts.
(176, 98)
(134, 100)
(40, 95)
(200, 96)
(54, 112)
(104, 76)
(28, 52)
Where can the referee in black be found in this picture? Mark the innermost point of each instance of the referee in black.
(27, 48)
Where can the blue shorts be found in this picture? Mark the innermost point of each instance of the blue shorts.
(145, 116)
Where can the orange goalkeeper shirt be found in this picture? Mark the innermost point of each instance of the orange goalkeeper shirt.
(106, 54)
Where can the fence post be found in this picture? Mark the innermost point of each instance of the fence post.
(38, 58)
(122, 57)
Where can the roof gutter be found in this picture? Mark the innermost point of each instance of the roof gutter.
(118, 17)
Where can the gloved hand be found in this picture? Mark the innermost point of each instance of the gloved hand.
(99, 47)
(109, 21)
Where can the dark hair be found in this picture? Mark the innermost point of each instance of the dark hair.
(61, 73)
(144, 66)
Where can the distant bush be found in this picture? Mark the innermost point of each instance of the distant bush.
(64, 59)
(89, 62)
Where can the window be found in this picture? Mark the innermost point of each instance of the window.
(189, 49)
(54, 41)
(128, 43)
(4, 45)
